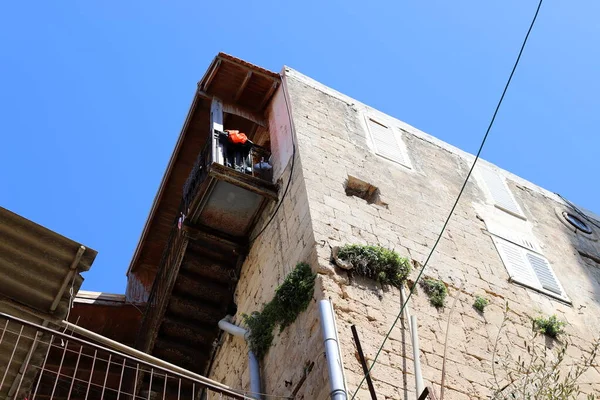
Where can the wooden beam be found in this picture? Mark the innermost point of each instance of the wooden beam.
(247, 68)
(243, 86)
(200, 233)
(238, 110)
(212, 75)
(268, 95)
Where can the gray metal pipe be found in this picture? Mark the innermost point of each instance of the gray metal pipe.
(253, 364)
(416, 355)
(332, 352)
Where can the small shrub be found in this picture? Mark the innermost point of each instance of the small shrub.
(378, 263)
(291, 298)
(436, 290)
(480, 303)
(551, 326)
(294, 294)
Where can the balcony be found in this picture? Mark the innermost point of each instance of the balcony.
(226, 189)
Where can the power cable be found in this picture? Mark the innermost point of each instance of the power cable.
(410, 293)
(287, 186)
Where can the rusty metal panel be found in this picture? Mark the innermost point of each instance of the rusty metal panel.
(230, 209)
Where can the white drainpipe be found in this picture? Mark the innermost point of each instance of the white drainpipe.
(253, 365)
(332, 352)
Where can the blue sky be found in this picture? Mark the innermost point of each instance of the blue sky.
(93, 93)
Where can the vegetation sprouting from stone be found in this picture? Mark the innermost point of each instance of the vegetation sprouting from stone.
(291, 298)
(375, 262)
(436, 291)
(551, 326)
(480, 303)
(535, 371)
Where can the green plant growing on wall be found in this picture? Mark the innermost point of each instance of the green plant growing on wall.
(375, 262)
(539, 372)
(291, 298)
(436, 291)
(551, 326)
(480, 303)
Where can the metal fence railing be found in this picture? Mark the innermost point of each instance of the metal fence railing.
(58, 365)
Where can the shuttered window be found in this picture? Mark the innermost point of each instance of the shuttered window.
(500, 192)
(386, 143)
(529, 268)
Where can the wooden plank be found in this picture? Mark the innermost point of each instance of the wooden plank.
(243, 86)
(268, 95)
(212, 75)
(200, 233)
(240, 111)
(249, 67)
(216, 124)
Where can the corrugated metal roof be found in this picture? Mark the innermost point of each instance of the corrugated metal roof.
(38, 267)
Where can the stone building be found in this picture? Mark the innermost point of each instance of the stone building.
(358, 176)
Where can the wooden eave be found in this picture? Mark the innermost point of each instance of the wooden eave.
(245, 90)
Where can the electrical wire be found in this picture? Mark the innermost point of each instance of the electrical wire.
(410, 293)
(287, 186)
(584, 215)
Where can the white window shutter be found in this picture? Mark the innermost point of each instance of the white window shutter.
(516, 264)
(529, 268)
(500, 193)
(544, 273)
(385, 142)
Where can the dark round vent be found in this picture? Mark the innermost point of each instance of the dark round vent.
(577, 222)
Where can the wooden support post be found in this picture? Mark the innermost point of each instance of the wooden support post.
(268, 95)
(243, 86)
(216, 124)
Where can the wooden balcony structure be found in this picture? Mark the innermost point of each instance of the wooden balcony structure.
(196, 238)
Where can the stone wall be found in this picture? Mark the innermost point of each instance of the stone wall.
(287, 240)
(333, 145)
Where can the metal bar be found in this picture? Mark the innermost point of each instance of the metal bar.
(150, 386)
(11, 357)
(68, 277)
(121, 378)
(132, 354)
(165, 387)
(75, 371)
(363, 362)
(4, 331)
(106, 375)
(137, 370)
(43, 366)
(62, 359)
(24, 367)
(179, 389)
(91, 374)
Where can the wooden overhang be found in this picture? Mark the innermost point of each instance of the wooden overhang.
(245, 91)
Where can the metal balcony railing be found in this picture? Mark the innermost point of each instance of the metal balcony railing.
(62, 366)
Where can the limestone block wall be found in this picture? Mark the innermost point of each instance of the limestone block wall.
(289, 239)
(333, 145)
